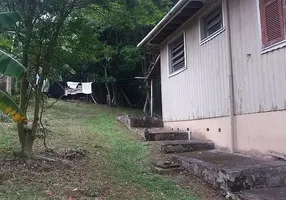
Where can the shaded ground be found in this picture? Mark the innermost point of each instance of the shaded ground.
(195, 186)
(93, 157)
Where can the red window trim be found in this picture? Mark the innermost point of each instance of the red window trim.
(282, 11)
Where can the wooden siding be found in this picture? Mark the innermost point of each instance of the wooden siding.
(259, 79)
(201, 91)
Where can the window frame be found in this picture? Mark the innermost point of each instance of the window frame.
(169, 52)
(268, 46)
(202, 30)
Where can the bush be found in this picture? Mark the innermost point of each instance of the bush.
(16, 98)
(4, 118)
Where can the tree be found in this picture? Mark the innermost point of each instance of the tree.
(38, 36)
(99, 42)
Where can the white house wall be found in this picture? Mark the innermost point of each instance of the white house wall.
(201, 91)
(259, 79)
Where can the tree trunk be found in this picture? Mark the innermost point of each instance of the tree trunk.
(27, 149)
(108, 94)
(25, 135)
(22, 133)
(23, 102)
(37, 108)
(147, 101)
(107, 88)
(114, 102)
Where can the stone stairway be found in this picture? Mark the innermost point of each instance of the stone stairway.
(264, 194)
(175, 141)
(162, 134)
(238, 177)
(179, 146)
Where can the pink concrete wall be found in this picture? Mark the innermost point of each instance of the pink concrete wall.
(255, 133)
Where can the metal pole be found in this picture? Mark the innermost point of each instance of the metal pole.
(152, 98)
(230, 80)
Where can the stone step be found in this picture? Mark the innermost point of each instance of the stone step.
(179, 146)
(233, 172)
(161, 134)
(165, 167)
(140, 122)
(264, 194)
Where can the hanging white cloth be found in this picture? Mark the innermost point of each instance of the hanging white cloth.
(45, 86)
(37, 79)
(73, 85)
(86, 88)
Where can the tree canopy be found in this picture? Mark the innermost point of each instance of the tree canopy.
(99, 41)
(87, 40)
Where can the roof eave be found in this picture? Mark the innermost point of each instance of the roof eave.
(169, 16)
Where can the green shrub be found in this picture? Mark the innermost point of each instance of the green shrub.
(4, 118)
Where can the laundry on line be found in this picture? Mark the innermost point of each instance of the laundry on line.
(78, 88)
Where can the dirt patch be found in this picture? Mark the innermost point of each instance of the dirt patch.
(57, 170)
(65, 154)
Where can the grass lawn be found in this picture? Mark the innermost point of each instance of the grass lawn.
(95, 157)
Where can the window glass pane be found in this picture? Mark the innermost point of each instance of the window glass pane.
(177, 54)
(212, 22)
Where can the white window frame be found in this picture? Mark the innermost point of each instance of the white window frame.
(202, 22)
(171, 74)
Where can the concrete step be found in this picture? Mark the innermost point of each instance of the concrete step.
(179, 146)
(161, 134)
(233, 172)
(264, 194)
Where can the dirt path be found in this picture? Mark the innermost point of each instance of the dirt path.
(93, 157)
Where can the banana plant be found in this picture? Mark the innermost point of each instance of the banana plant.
(11, 109)
(8, 19)
(10, 67)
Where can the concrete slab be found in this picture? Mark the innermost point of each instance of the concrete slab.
(161, 134)
(179, 146)
(233, 172)
(264, 194)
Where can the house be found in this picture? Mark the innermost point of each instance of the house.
(223, 72)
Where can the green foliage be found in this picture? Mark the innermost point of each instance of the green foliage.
(99, 41)
(8, 19)
(10, 108)
(131, 56)
(6, 44)
(94, 129)
(128, 159)
(4, 118)
(9, 66)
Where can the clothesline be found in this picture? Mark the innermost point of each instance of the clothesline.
(77, 88)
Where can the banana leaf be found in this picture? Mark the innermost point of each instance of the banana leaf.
(10, 66)
(8, 19)
(10, 108)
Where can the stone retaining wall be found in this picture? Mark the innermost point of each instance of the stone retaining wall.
(140, 122)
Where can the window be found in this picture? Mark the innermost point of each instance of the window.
(273, 21)
(177, 54)
(212, 23)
